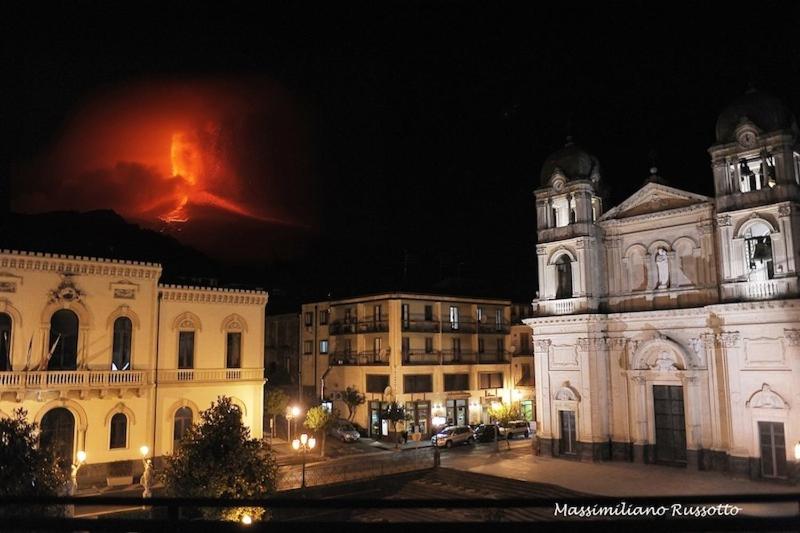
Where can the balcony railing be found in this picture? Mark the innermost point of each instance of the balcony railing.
(493, 327)
(73, 379)
(195, 375)
(419, 323)
(359, 359)
(451, 357)
(340, 327)
(492, 357)
(421, 357)
(462, 326)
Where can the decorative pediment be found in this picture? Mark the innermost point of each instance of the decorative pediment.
(661, 354)
(766, 398)
(654, 198)
(567, 393)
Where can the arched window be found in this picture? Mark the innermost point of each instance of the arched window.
(183, 421)
(121, 348)
(758, 252)
(119, 431)
(58, 434)
(5, 342)
(63, 354)
(564, 277)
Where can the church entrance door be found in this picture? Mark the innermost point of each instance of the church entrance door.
(670, 424)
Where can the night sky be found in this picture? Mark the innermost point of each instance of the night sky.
(367, 149)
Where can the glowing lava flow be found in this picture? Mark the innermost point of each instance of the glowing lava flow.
(188, 167)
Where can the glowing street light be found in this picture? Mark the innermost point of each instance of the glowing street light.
(247, 519)
(80, 458)
(291, 414)
(147, 476)
(304, 445)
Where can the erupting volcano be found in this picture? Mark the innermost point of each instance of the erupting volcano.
(190, 165)
(206, 159)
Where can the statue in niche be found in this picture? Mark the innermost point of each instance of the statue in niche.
(662, 267)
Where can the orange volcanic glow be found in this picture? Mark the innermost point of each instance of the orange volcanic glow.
(189, 166)
(171, 152)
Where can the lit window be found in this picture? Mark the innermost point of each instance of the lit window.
(323, 346)
(453, 317)
(183, 421)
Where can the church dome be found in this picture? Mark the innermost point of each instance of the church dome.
(573, 162)
(764, 110)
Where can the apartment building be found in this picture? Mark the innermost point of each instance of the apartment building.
(446, 359)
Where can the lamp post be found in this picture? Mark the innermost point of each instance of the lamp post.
(80, 458)
(304, 445)
(147, 476)
(291, 414)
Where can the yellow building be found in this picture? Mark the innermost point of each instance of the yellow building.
(444, 358)
(107, 360)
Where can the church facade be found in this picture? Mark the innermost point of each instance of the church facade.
(107, 360)
(667, 328)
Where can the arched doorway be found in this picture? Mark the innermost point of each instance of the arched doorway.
(564, 273)
(58, 434)
(63, 340)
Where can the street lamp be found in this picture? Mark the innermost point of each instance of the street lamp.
(304, 445)
(291, 413)
(147, 476)
(80, 458)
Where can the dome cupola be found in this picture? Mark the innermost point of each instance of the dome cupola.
(754, 108)
(572, 162)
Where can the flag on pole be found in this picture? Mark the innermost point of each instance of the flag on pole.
(28, 360)
(7, 350)
(52, 349)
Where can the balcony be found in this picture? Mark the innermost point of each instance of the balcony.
(451, 357)
(420, 324)
(74, 380)
(369, 358)
(462, 326)
(341, 327)
(210, 375)
(492, 357)
(771, 289)
(493, 328)
(421, 357)
(564, 306)
(373, 325)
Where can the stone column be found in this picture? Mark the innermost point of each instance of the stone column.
(638, 401)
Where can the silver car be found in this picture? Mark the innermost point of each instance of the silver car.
(515, 428)
(452, 435)
(344, 431)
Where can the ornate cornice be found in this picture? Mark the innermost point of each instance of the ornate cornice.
(179, 293)
(656, 215)
(72, 264)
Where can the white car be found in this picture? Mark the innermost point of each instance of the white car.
(452, 435)
(344, 431)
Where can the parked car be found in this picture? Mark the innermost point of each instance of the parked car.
(452, 435)
(515, 428)
(485, 433)
(344, 431)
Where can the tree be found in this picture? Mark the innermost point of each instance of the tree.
(504, 413)
(319, 420)
(275, 404)
(217, 458)
(353, 398)
(26, 469)
(394, 413)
